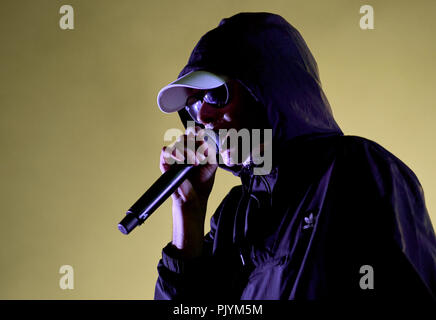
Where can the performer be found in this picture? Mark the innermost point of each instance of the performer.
(336, 217)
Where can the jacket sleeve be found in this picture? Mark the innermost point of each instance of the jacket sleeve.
(197, 278)
(411, 264)
(183, 278)
(377, 218)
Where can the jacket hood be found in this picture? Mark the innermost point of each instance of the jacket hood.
(271, 59)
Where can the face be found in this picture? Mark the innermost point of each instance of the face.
(242, 112)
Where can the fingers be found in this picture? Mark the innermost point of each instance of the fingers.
(189, 148)
(185, 149)
(165, 160)
(183, 192)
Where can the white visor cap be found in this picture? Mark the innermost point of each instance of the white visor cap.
(173, 97)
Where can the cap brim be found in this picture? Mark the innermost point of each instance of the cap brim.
(173, 97)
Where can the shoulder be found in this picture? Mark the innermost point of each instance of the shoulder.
(359, 147)
(368, 160)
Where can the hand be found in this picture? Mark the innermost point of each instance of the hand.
(199, 185)
(190, 199)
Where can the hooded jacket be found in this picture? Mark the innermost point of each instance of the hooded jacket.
(337, 217)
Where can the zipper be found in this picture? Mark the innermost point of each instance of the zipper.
(247, 170)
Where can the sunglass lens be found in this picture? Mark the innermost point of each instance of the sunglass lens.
(193, 107)
(217, 96)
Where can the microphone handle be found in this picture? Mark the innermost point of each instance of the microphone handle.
(154, 197)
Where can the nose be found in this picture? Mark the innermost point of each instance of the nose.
(207, 114)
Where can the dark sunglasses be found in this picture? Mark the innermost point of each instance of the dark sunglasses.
(217, 97)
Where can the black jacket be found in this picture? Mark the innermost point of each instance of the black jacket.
(332, 205)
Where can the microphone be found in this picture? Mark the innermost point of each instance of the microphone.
(158, 192)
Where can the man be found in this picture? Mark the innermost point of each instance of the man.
(335, 217)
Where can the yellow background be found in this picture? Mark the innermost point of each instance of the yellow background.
(81, 133)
